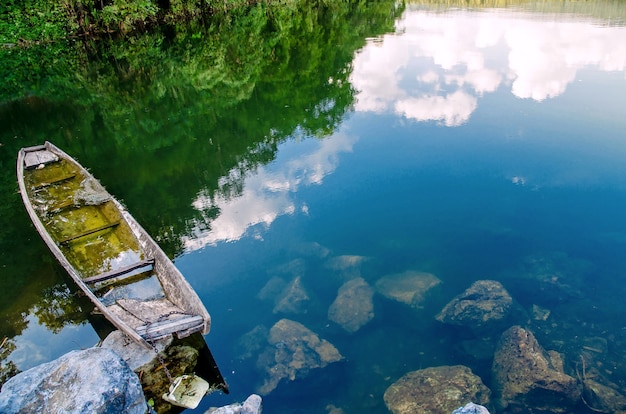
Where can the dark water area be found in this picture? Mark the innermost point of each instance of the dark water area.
(471, 145)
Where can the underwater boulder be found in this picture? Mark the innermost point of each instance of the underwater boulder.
(293, 298)
(436, 390)
(353, 307)
(252, 342)
(409, 287)
(293, 351)
(348, 266)
(603, 398)
(486, 304)
(527, 378)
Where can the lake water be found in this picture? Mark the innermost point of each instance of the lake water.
(470, 144)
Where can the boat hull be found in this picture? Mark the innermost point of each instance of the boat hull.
(106, 252)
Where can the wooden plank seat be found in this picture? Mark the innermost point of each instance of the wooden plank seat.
(160, 329)
(57, 180)
(89, 231)
(116, 273)
(155, 319)
(64, 205)
(38, 155)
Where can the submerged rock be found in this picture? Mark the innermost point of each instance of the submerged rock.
(602, 398)
(293, 351)
(353, 306)
(548, 279)
(287, 297)
(600, 394)
(540, 313)
(485, 304)
(409, 287)
(272, 289)
(528, 378)
(95, 380)
(347, 265)
(180, 359)
(293, 298)
(133, 353)
(252, 342)
(436, 390)
(252, 405)
(331, 409)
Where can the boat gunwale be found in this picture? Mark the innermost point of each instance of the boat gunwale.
(164, 268)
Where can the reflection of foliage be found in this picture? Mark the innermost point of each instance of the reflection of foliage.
(7, 368)
(188, 104)
(611, 10)
(58, 307)
(162, 117)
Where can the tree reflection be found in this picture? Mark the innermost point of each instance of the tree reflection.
(162, 117)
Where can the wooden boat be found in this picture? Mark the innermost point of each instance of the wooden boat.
(112, 259)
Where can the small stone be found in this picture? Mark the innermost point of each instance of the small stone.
(540, 313)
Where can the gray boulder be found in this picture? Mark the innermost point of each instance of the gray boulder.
(471, 408)
(95, 381)
(252, 405)
(436, 390)
(353, 306)
(485, 304)
(134, 354)
(527, 378)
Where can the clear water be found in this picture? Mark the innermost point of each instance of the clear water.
(479, 145)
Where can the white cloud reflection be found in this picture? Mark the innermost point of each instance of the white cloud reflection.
(437, 66)
(267, 194)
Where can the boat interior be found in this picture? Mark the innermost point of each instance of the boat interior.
(92, 234)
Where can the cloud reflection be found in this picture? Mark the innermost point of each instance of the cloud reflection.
(438, 65)
(267, 194)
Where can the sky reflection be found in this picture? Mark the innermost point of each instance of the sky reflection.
(438, 65)
(267, 192)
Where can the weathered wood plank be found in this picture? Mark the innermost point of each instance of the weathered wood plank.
(163, 328)
(90, 231)
(57, 180)
(37, 157)
(69, 203)
(119, 272)
(34, 148)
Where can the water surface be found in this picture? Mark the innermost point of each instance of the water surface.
(470, 144)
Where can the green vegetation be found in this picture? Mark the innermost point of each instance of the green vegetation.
(185, 108)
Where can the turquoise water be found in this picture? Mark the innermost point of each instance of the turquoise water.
(477, 145)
